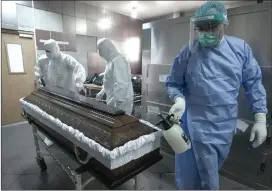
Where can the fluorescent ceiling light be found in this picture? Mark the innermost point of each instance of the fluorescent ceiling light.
(163, 2)
(59, 42)
(134, 13)
(134, 3)
(26, 35)
(104, 23)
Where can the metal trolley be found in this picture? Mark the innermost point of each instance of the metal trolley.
(74, 174)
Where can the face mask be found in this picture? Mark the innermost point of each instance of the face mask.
(100, 54)
(209, 39)
(49, 55)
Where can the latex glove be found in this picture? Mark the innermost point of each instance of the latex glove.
(118, 103)
(100, 95)
(258, 131)
(178, 109)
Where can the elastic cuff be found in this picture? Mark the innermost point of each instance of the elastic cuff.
(179, 99)
(178, 96)
(260, 117)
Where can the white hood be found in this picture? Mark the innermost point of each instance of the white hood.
(53, 48)
(107, 49)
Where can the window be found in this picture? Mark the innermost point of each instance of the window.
(15, 58)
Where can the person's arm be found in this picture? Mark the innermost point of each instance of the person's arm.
(252, 83)
(78, 73)
(79, 76)
(99, 95)
(102, 92)
(175, 82)
(255, 92)
(121, 78)
(38, 71)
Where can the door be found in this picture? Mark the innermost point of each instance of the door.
(16, 85)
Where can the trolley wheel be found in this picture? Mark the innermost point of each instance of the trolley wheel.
(42, 164)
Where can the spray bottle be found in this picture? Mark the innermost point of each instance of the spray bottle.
(174, 134)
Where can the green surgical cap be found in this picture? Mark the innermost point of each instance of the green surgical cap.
(212, 8)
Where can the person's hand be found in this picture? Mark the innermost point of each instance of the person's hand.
(258, 131)
(118, 103)
(177, 109)
(79, 87)
(100, 95)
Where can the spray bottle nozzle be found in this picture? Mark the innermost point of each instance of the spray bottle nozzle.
(169, 117)
(166, 123)
(161, 121)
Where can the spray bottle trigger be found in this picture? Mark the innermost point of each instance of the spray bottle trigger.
(160, 122)
(166, 123)
(169, 117)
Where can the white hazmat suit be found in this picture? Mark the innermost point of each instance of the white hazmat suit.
(63, 70)
(117, 79)
(41, 69)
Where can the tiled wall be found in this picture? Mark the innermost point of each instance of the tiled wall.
(168, 36)
(75, 18)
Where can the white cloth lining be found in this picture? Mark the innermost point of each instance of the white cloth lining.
(112, 159)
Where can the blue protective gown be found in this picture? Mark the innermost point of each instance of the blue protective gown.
(209, 79)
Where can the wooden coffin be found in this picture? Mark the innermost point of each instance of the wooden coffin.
(107, 126)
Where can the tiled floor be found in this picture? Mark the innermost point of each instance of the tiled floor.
(20, 170)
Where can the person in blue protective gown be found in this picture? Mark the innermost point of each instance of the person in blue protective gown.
(204, 82)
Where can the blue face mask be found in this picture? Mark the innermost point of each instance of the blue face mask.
(209, 39)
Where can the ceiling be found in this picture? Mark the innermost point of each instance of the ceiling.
(147, 10)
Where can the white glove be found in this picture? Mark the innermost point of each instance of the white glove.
(258, 131)
(100, 95)
(178, 109)
(79, 87)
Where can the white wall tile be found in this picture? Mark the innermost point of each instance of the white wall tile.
(25, 18)
(55, 22)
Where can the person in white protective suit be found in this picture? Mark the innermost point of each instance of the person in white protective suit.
(41, 70)
(117, 83)
(63, 70)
